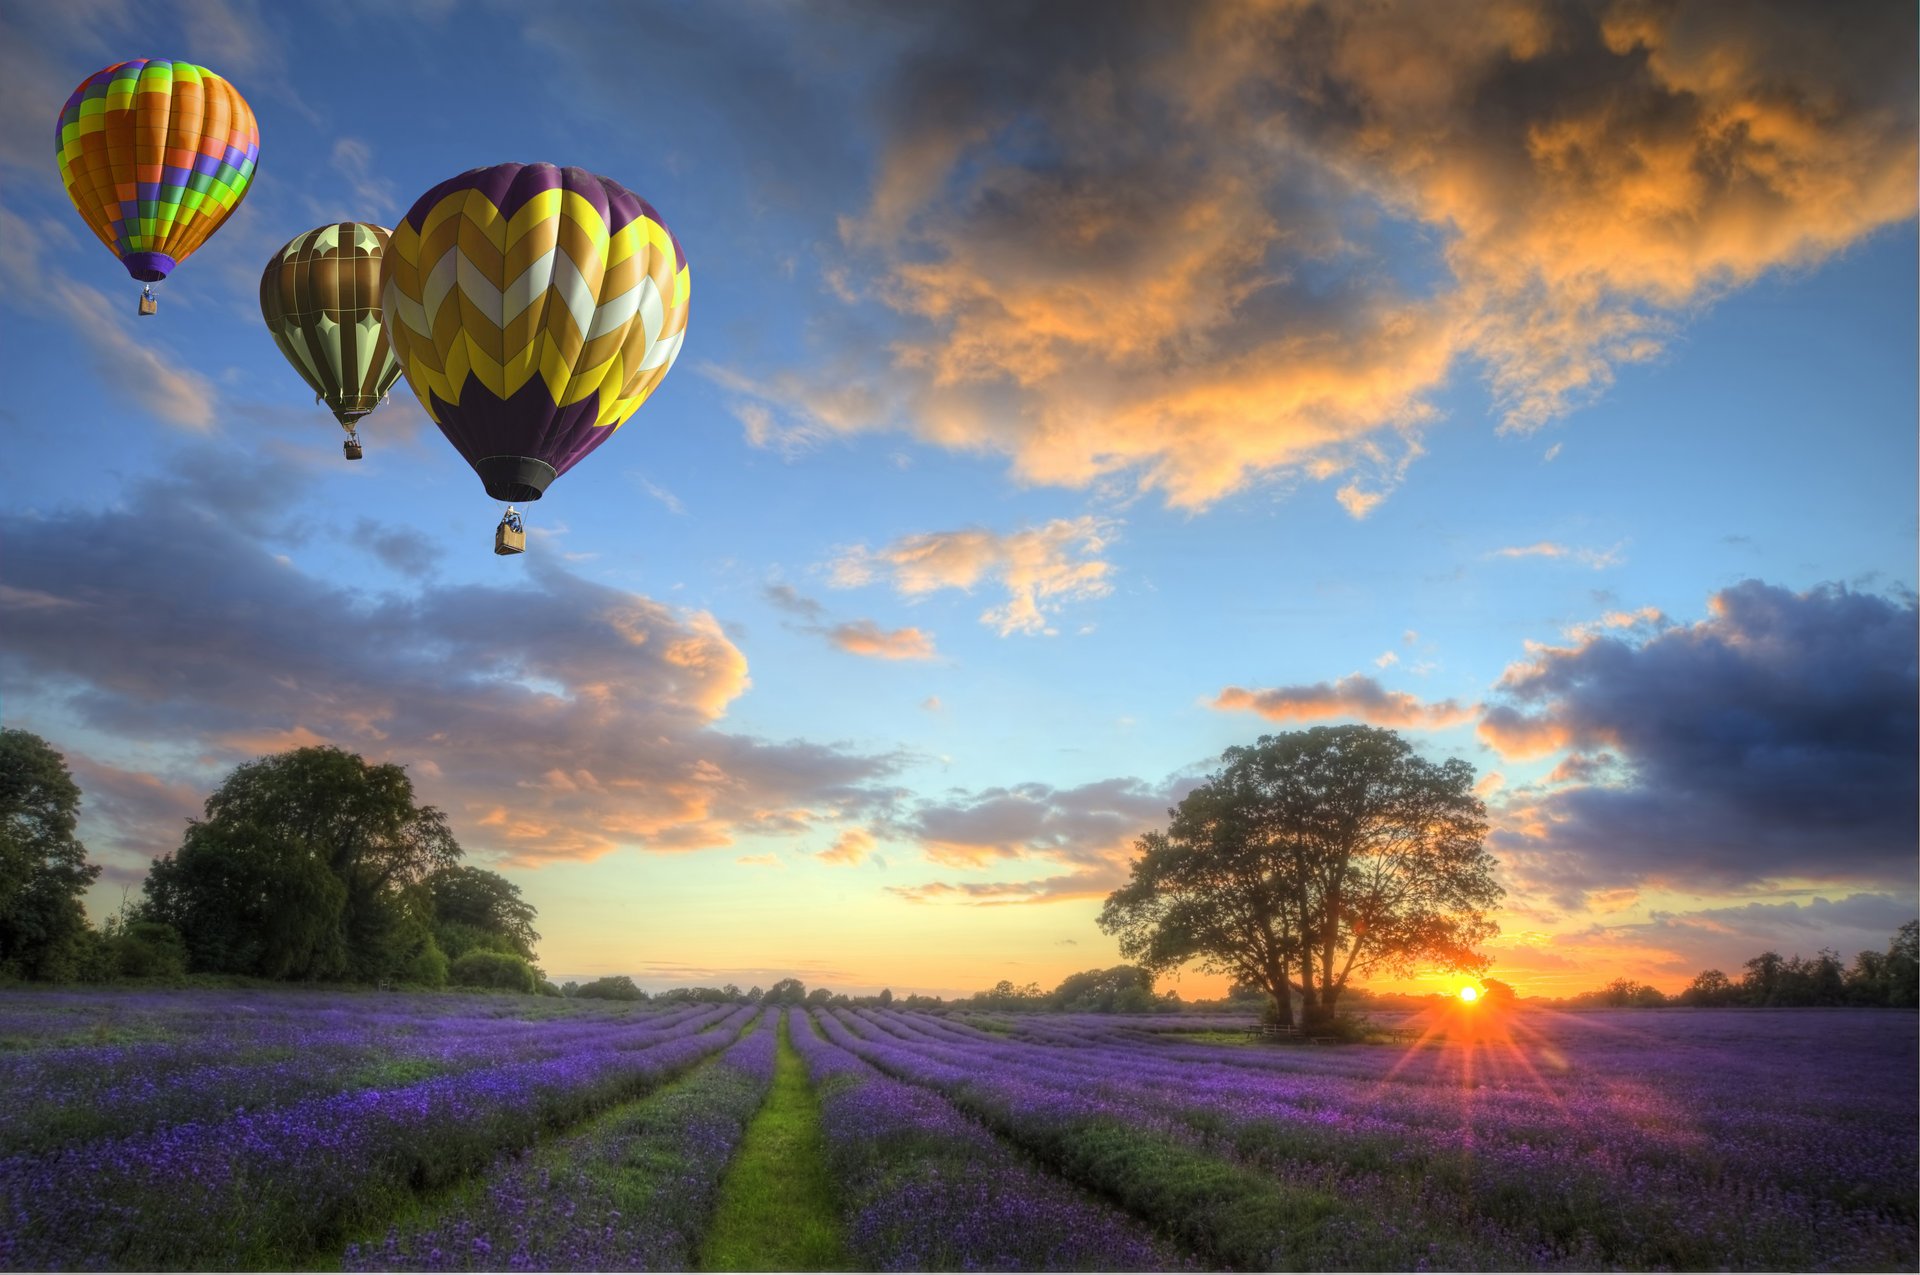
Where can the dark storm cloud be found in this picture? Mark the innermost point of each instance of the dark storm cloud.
(1779, 738)
(556, 720)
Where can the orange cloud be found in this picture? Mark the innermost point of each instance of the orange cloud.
(1040, 568)
(1517, 737)
(1355, 696)
(852, 847)
(1282, 227)
(864, 637)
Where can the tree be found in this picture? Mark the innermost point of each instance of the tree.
(788, 991)
(1761, 986)
(1310, 858)
(1710, 988)
(43, 866)
(474, 908)
(1123, 989)
(614, 987)
(1497, 993)
(309, 864)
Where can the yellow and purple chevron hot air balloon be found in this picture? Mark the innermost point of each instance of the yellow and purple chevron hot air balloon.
(155, 156)
(533, 310)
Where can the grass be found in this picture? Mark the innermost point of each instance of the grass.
(777, 1210)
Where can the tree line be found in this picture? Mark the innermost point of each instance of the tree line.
(310, 865)
(1889, 978)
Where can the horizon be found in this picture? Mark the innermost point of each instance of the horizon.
(1062, 403)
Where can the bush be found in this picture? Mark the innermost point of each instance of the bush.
(427, 967)
(147, 949)
(493, 969)
(614, 987)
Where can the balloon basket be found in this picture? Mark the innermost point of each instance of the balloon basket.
(148, 303)
(351, 449)
(509, 539)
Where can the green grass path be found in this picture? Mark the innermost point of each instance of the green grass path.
(776, 1210)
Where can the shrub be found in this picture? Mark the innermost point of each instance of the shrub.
(614, 987)
(147, 949)
(427, 967)
(493, 969)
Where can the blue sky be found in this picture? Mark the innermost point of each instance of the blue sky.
(1064, 401)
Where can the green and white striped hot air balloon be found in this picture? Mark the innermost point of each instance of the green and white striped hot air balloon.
(320, 296)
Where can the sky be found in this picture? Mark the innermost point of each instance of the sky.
(1072, 391)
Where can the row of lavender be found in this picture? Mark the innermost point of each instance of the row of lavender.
(922, 1186)
(633, 1191)
(117, 1064)
(259, 1151)
(1548, 1141)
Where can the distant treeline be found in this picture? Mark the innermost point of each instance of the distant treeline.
(1119, 990)
(1890, 978)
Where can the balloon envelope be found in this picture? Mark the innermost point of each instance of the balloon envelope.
(155, 156)
(320, 296)
(533, 309)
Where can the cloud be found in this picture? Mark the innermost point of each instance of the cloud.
(1775, 739)
(864, 637)
(1355, 696)
(1039, 568)
(1598, 559)
(353, 160)
(852, 847)
(1088, 830)
(1217, 241)
(855, 637)
(554, 719)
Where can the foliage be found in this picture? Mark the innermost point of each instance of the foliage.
(142, 949)
(1771, 981)
(312, 864)
(1309, 858)
(476, 908)
(1123, 989)
(788, 991)
(614, 987)
(493, 969)
(43, 866)
(1004, 995)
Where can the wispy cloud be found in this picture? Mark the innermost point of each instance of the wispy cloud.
(1354, 696)
(1598, 559)
(856, 637)
(1039, 568)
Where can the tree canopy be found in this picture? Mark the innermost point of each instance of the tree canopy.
(43, 866)
(1309, 858)
(310, 864)
(477, 909)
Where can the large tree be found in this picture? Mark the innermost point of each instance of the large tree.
(1311, 858)
(308, 864)
(43, 867)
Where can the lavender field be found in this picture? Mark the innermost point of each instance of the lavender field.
(310, 1130)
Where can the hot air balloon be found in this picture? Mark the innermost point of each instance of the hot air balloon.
(533, 309)
(320, 296)
(155, 156)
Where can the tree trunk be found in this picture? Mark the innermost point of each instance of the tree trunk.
(1280, 992)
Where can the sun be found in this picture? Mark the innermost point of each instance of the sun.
(1469, 994)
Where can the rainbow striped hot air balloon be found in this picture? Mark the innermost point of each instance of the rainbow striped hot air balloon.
(155, 156)
(533, 309)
